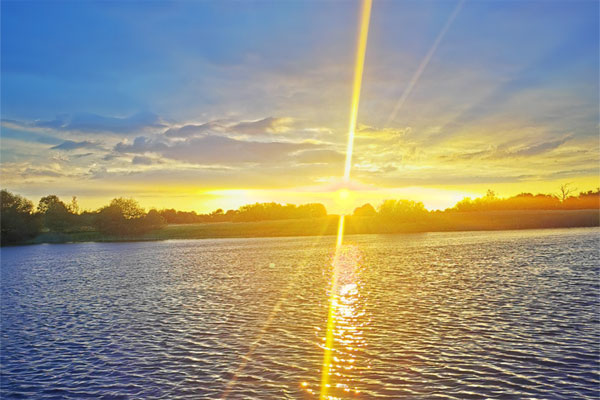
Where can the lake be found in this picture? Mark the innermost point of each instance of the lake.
(468, 315)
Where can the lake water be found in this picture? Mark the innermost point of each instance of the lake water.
(511, 315)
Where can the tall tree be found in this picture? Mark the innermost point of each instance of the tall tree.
(55, 214)
(565, 191)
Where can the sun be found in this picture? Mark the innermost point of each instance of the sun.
(344, 199)
(343, 194)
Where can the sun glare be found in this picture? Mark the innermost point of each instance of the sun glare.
(343, 194)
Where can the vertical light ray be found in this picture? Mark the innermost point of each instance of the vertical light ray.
(340, 233)
(415, 78)
(361, 50)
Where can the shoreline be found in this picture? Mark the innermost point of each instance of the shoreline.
(327, 226)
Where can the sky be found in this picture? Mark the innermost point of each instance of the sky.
(216, 104)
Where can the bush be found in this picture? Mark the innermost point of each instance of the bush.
(125, 217)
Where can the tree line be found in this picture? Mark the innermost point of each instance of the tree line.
(247, 213)
(21, 221)
(528, 201)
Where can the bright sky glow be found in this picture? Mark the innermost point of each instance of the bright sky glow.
(205, 105)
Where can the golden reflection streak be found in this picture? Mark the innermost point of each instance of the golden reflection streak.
(325, 372)
(358, 73)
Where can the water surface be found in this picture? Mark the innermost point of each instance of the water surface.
(506, 315)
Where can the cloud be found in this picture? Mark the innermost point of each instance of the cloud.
(26, 172)
(95, 123)
(98, 172)
(508, 151)
(269, 125)
(42, 172)
(82, 155)
(193, 130)
(541, 147)
(262, 126)
(141, 144)
(218, 150)
(16, 130)
(111, 156)
(69, 145)
(371, 132)
(213, 149)
(142, 160)
(321, 156)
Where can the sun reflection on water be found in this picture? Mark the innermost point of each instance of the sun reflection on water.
(344, 340)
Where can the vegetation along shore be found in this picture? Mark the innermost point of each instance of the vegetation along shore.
(54, 221)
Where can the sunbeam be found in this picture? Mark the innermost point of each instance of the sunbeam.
(361, 49)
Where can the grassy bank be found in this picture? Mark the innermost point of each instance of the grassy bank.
(434, 222)
(481, 221)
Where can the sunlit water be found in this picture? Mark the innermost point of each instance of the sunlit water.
(510, 315)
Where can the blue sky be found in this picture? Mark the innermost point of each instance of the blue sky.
(160, 99)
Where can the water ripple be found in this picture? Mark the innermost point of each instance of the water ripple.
(433, 316)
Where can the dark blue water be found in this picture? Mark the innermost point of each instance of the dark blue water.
(510, 315)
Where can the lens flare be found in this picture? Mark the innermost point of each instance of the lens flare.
(415, 78)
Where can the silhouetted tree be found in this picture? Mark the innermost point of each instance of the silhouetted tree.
(153, 220)
(230, 215)
(312, 210)
(17, 219)
(564, 191)
(130, 208)
(55, 214)
(170, 215)
(401, 211)
(490, 195)
(74, 206)
(366, 210)
(585, 200)
(123, 217)
(523, 201)
(276, 211)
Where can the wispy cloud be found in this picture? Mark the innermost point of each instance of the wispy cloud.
(321, 156)
(95, 123)
(68, 145)
(509, 149)
(216, 149)
(193, 130)
(538, 148)
(142, 160)
(262, 126)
